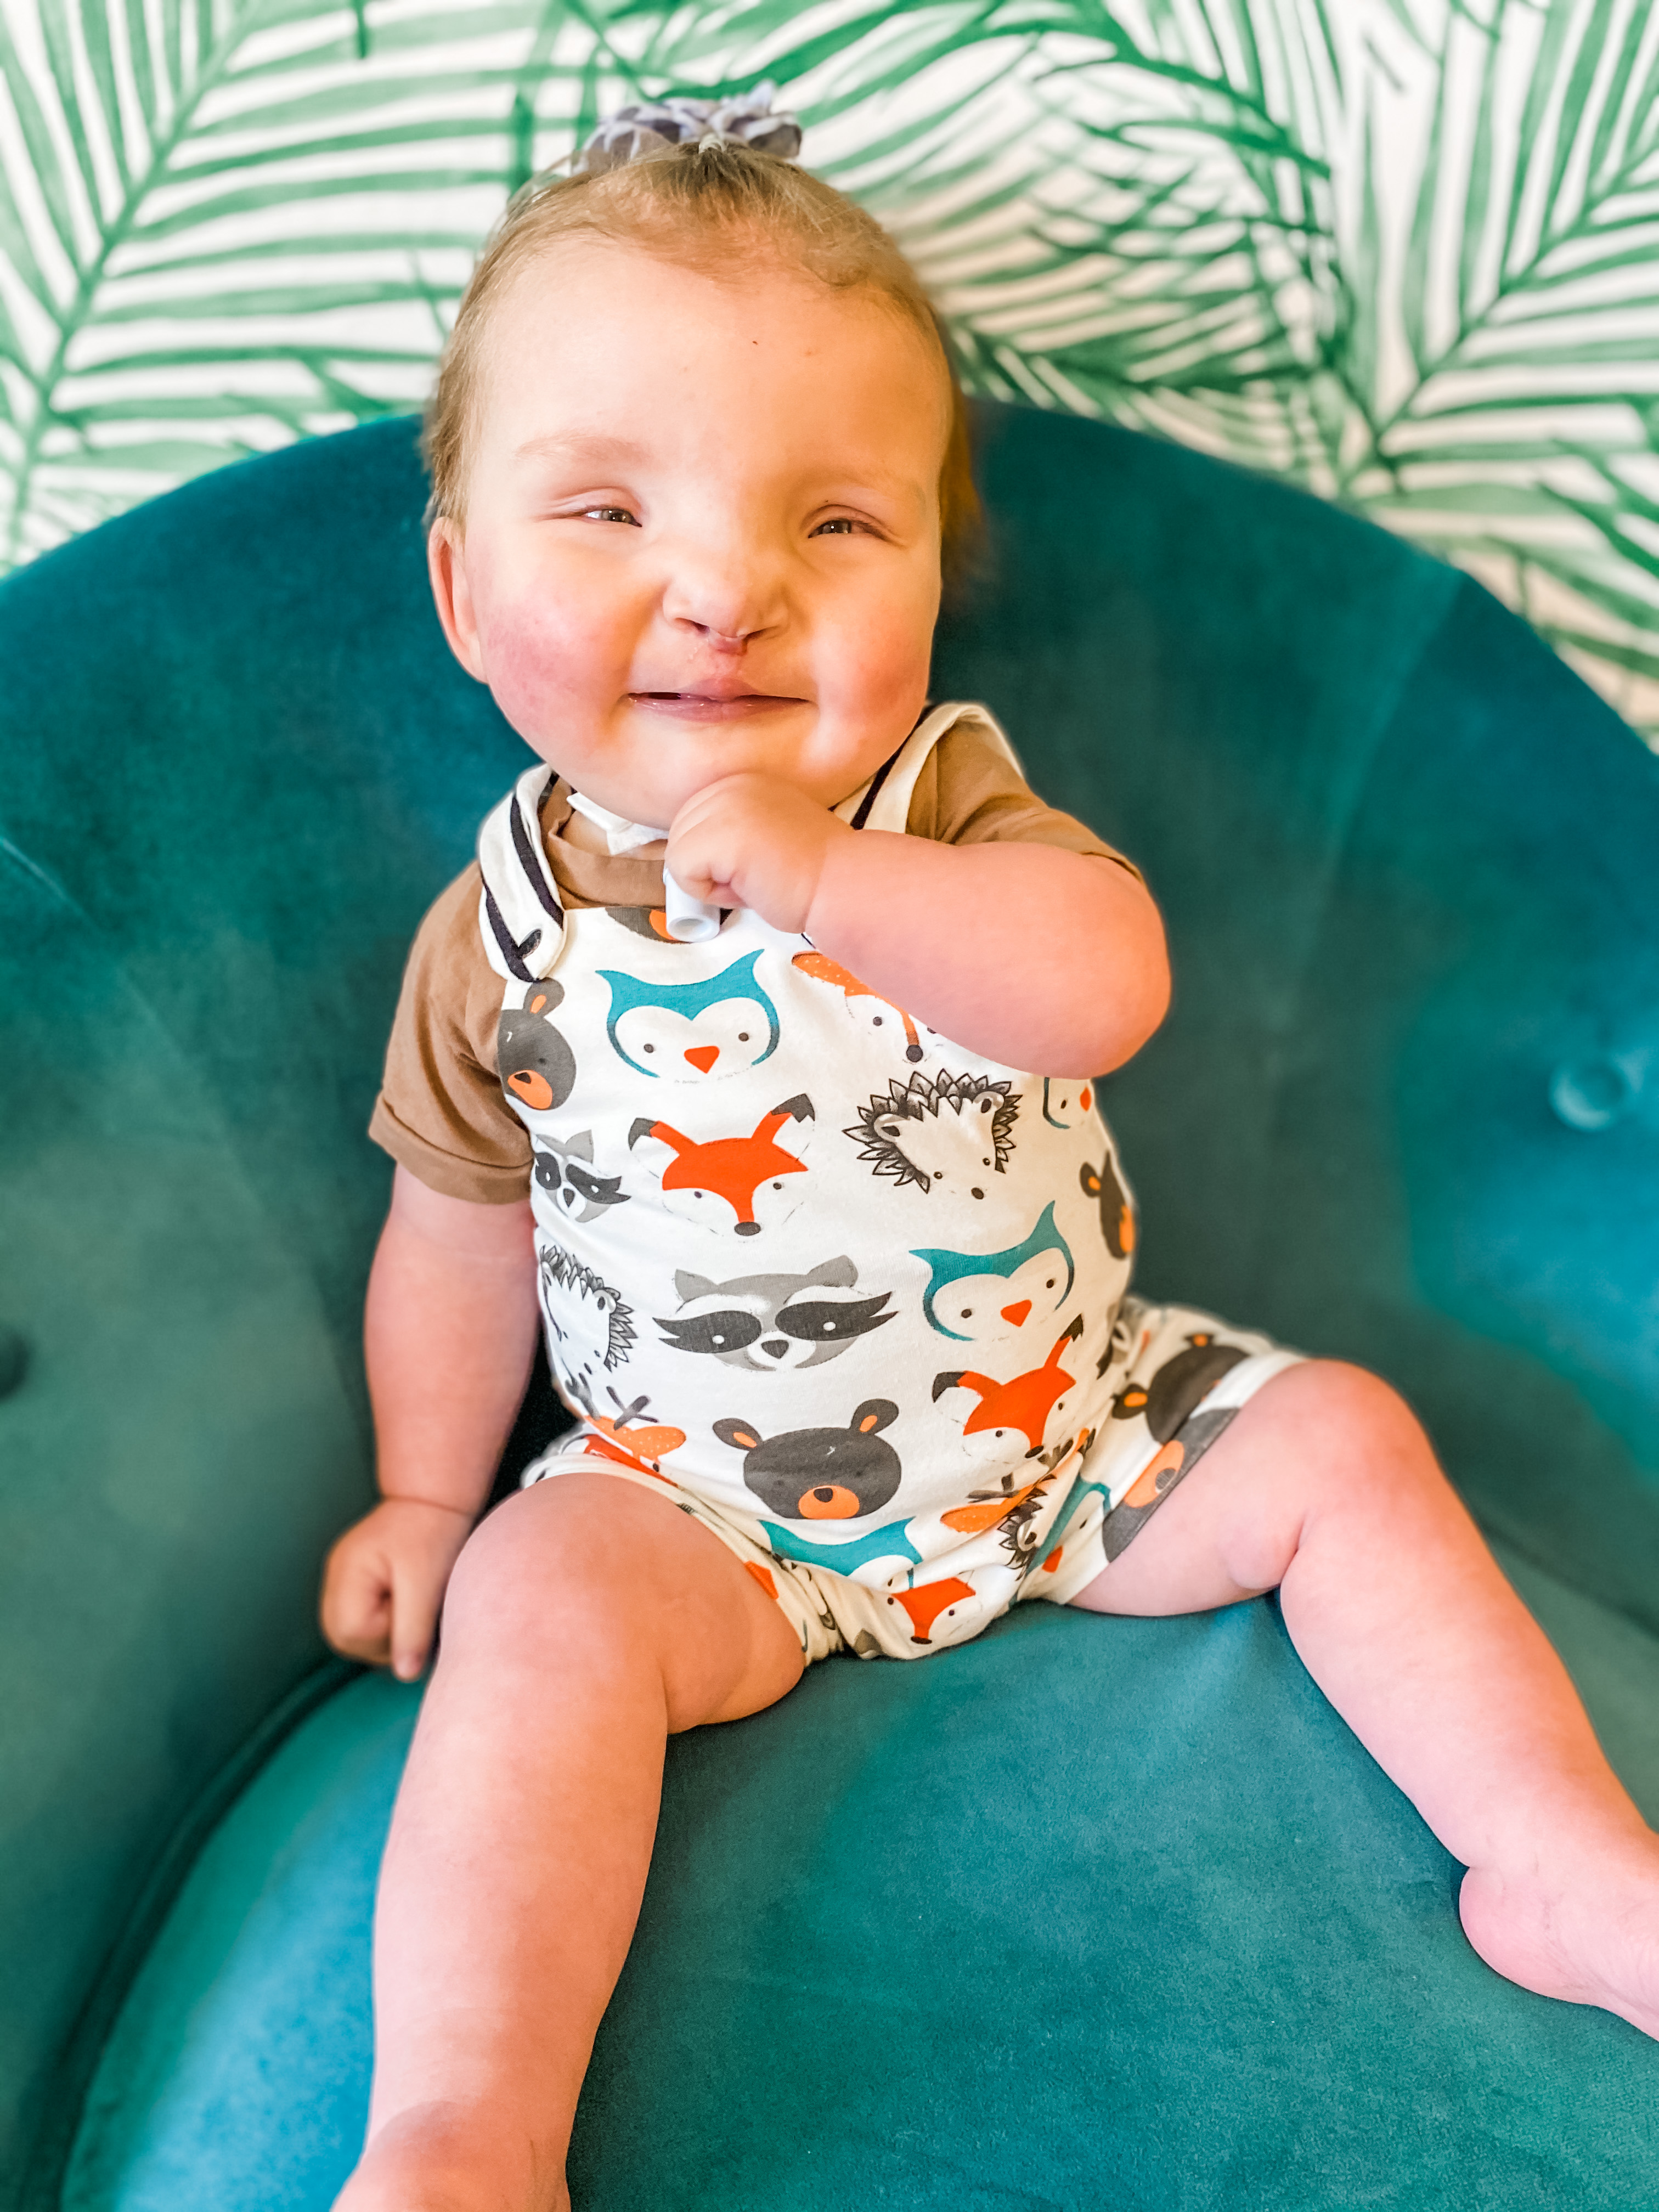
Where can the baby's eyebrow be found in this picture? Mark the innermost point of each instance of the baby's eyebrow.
(580, 445)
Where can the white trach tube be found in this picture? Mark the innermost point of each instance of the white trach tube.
(690, 920)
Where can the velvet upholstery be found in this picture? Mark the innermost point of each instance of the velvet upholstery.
(1085, 1912)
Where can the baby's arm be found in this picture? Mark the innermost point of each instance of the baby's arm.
(1038, 958)
(449, 1335)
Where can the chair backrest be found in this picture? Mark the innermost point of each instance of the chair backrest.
(1405, 1109)
(1398, 1113)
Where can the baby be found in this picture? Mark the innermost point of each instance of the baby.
(755, 1059)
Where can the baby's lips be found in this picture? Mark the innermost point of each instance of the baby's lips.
(710, 707)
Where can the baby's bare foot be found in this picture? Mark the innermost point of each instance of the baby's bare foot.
(451, 2158)
(1588, 1933)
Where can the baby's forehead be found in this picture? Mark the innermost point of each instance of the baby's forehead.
(614, 356)
(636, 297)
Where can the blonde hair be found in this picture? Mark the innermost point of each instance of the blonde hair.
(718, 206)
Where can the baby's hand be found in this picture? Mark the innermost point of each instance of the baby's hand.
(753, 840)
(385, 1581)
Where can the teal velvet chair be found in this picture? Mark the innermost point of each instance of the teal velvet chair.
(1086, 1914)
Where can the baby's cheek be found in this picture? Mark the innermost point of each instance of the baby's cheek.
(546, 656)
(878, 657)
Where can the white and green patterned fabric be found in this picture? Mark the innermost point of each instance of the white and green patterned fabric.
(1400, 252)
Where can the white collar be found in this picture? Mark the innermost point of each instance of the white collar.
(690, 920)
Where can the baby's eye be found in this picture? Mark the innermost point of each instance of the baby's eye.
(610, 514)
(842, 524)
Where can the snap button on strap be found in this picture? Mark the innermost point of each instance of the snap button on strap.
(1595, 1092)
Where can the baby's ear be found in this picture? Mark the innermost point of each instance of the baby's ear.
(452, 594)
(739, 1434)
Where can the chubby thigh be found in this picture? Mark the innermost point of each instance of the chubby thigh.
(1181, 1378)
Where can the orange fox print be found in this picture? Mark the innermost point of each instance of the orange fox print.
(732, 1183)
(973, 1520)
(862, 1002)
(1023, 1404)
(926, 1604)
(634, 1442)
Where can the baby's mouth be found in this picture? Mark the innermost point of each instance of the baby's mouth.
(711, 706)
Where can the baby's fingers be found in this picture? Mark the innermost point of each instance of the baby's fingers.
(416, 1591)
(690, 861)
(385, 1582)
(357, 1607)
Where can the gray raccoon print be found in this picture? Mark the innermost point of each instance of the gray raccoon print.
(948, 1132)
(566, 1173)
(770, 1322)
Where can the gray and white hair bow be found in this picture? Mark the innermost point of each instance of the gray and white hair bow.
(645, 126)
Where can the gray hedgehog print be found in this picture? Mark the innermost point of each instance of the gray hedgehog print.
(768, 1323)
(952, 1131)
(590, 1329)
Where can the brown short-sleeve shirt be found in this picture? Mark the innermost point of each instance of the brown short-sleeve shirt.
(441, 1113)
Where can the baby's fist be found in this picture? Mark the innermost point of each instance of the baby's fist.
(753, 840)
(386, 1579)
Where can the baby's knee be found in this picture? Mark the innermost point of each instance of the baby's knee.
(1338, 1394)
(1356, 1436)
(1326, 1442)
(550, 1563)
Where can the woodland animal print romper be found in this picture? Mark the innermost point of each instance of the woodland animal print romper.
(853, 1297)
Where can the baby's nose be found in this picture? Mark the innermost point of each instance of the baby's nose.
(725, 595)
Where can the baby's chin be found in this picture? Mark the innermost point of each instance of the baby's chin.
(654, 755)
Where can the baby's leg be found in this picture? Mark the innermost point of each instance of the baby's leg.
(586, 1622)
(1325, 1487)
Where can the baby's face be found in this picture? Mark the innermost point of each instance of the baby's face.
(702, 529)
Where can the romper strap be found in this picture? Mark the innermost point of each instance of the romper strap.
(883, 803)
(520, 917)
(872, 789)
